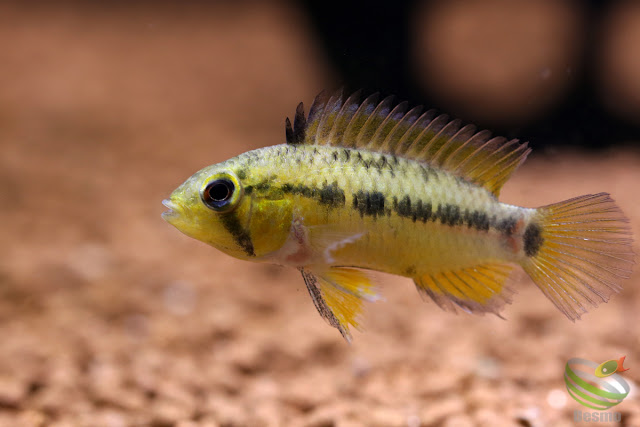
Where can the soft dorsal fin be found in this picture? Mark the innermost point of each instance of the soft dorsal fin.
(391, 128)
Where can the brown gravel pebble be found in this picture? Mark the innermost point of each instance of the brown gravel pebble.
(12, 392)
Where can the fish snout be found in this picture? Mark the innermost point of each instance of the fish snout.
(174, 211)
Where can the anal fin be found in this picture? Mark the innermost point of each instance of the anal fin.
(339, 294)
(478, 289)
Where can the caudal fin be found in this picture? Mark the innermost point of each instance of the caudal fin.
(578, 252)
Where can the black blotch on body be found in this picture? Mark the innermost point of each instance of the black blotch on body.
(419, 210)
(507, 226)
(533, 239)
(332, 195)
(242, 237)
(423, 211)
(449, 214)
(403, 207)
(478, 220)
(369, 203)
(263, 186)
(300, 189)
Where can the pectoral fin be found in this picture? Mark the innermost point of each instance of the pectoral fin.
(338, 293)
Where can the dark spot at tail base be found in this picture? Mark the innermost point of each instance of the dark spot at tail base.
(533, 239)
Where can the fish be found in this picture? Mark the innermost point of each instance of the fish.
(369, 185)
(610, 367)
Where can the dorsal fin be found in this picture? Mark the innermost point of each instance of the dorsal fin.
(388, 127)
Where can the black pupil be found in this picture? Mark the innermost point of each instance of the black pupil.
(220, 191)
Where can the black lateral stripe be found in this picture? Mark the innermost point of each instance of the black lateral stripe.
(403, 207)
(369, 203)
(507, 225)
(478, 220)
(447, 214)
(330, 194)
(423, 211)
(241, 236)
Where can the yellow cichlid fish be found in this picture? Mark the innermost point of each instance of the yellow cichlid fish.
(369, 186)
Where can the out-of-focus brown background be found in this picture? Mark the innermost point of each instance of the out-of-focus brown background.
(110, 317)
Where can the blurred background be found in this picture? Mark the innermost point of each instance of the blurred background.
(110, 317)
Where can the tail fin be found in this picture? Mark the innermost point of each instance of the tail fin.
(578, 251)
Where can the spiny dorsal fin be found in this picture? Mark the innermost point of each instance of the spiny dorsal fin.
(295, 134)
(389, 128)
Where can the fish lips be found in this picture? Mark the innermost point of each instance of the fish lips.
(173, 213)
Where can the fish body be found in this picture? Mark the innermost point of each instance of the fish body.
(610, 367)
(369, 186)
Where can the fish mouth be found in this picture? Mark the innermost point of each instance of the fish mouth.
(173, 212)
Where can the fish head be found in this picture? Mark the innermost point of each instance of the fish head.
(217, 205)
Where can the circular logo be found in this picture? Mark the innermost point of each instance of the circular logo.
(592, 391)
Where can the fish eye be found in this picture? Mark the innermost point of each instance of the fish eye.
(218, 194)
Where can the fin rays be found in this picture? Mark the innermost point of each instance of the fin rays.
(338, 294)
(477, 289)
(584, 255)
(389, 128)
